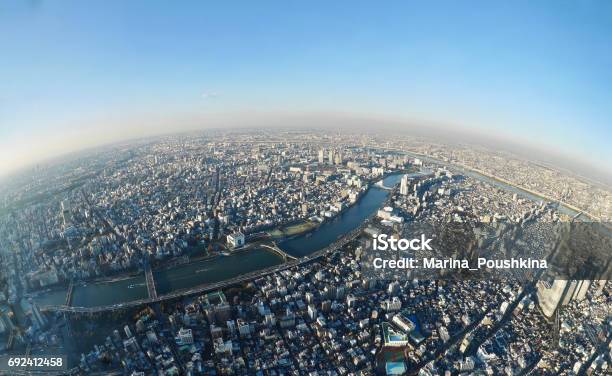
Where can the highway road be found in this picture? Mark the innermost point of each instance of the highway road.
(219, 285)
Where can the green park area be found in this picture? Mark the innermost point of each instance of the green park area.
(294, 229)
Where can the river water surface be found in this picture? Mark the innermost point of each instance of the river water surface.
(208, 271)
(183, 277)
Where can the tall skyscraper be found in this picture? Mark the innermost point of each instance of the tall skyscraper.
(555, 289)
(128, 332)
(338, 159)
(558, 293)
(404, 186)
(330, 157)
(322, 156)
(65, 213)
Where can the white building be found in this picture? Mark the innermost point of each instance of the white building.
(312, 312)
(403, 322)
(235, 240)
(392, 305)
(404, 185)
(393, 338)
(185, 337)
(128, 332)
(378, 171)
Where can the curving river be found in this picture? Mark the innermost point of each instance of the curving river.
(201, 272)
(225, 267)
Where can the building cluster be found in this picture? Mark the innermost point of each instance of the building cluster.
(329, 318)
(182, 197)
(537, 177)
(325, 318)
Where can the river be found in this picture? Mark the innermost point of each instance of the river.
(499, 184)
(170, 279)
(208, 271)
(225, 267)
(347, 221)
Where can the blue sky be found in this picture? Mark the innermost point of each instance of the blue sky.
(535, 71)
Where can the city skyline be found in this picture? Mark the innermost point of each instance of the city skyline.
(251, 251)
(340, 188)
(75, 77)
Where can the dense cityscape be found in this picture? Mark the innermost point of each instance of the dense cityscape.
(113, 257)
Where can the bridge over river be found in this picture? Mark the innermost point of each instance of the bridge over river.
(172, 283)
(219, 285)
(274, 248)
(381, 184)
(150, 281)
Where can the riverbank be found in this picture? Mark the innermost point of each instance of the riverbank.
(211, 269)
(541, 196)
(293, 230)
(346, 221)
(214, 269)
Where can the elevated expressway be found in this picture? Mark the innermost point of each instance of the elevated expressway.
(153, 298)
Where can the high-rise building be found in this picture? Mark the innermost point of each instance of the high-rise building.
(330, 157)
(312, 312)
(185, 337)
(467, 364)
(65, 213)
(322, 156)
(403, 322)
(404, 186)
(131, 345)
(128, 332)
(558, 293)
(394, 304)
(555, 290)
(338, 159)
(270, 320)
(222, 312)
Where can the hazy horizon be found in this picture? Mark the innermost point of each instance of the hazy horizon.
(433, 132)
(75, 75)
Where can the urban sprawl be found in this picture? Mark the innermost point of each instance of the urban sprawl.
(152, 205)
